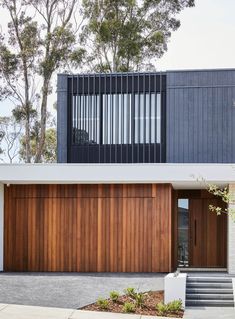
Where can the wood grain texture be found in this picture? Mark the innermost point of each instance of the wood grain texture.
(88, 228)
(211, 248)
(208, 235)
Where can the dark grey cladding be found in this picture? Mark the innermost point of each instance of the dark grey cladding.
(200, 120)
(197, 118)
(111, 118)
(62, 121)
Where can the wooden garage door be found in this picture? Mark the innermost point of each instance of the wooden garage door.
(104, 228)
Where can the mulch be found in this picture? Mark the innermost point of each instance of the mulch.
(149, 308)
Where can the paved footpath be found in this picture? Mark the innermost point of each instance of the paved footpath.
(31, 312)
(9, 311)
(209, 313)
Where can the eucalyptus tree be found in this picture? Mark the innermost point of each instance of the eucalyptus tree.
(44, 36)
(127, 35)
(39, 40)
(10, 132)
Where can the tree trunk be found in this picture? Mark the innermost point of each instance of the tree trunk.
(45, 89)
(27, 115)
(27, 140)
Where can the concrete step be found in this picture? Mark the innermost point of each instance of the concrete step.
(210, 303)
(209, 291)
(214, 291)
(222, 285)
(209, 279)
(208, 271)
(199, 296)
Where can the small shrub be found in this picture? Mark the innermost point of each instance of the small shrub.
(161, 308)
(175, 305)
(139, 299)
(103, 303)
(114, 295)
(128, 307)
(130, 292)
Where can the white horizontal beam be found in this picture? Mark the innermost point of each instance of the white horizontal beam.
(179, 175)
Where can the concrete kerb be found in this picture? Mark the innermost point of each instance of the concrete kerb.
(8, 311)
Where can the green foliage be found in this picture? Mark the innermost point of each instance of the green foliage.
(114, 295)
(130, 291)
(139, 299)
(127, 35)
(225, 196)
(61, 40)
(49, 149)
(162, 308)
(223, 193)
(2, 134)
(174, 306)
(103, 303)
(9, 60)
(170, 307)
(128, 307)
(20, 113)
(10, 135)
(39, 40)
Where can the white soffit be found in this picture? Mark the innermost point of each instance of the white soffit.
(179, 175)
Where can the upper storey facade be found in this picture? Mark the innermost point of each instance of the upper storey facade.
(174, 117)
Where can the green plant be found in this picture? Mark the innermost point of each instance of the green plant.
(139, 299)
(130, 292)
(175, 305)
(103, 303)
(162, 308)
(114, 295)
(128, 307)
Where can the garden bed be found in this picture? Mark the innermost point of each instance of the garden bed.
(150, 300)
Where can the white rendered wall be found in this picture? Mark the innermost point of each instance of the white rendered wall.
(1, 224)
(175, 288)
(231, 233)
(181, 176)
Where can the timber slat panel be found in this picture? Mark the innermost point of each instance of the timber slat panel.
(83, 190)
(88, 228)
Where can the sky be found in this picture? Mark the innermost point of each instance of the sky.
(206, 39)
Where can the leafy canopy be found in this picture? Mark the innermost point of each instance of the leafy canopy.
(49, 149)
(127, 35)
(39, 41)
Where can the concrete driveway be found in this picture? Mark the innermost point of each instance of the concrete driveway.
(69, 290)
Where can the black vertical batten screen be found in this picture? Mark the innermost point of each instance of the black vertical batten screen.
(138, 119)
(114, 118)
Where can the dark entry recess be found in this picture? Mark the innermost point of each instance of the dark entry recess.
(116, 118)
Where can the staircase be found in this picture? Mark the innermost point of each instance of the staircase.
(209, 291)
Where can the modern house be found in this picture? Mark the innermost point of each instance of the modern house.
(124, 196)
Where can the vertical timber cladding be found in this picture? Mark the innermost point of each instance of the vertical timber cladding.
(85, 228)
